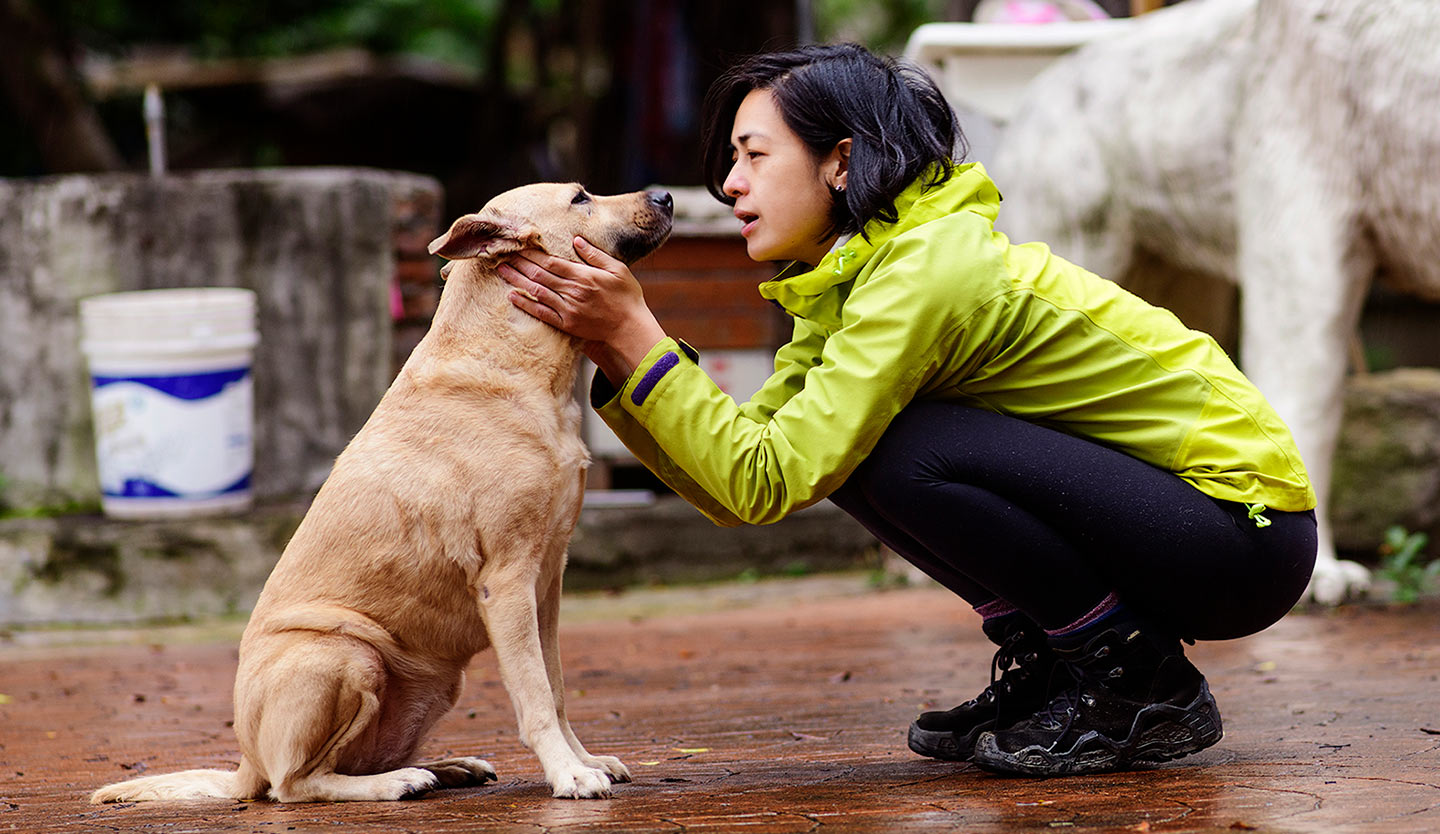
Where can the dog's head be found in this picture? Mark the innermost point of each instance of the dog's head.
(549, 216)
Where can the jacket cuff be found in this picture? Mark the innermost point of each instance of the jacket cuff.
(644, 378)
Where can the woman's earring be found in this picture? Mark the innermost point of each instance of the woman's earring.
(838, 189)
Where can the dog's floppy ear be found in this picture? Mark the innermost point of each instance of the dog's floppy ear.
(473, 236)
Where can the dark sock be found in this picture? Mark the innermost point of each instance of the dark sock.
(1111, 614)
(1001, 619)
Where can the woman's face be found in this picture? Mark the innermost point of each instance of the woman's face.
(781, 191)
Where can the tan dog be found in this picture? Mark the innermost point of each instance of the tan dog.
(442, 529)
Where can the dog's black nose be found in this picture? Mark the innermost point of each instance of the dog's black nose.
(661, 199)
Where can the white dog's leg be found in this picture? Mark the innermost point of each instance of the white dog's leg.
(1304, 270)
(550, 645)
(508, 606)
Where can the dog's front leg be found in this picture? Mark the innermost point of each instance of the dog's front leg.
(1305, 268)
(508, 606)
(550, 645)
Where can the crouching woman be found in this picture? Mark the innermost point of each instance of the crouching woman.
(1097, 481)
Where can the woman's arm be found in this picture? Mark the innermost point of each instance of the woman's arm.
(792, 363)
(898, 327)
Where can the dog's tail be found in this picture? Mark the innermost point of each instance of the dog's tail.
(187, 784)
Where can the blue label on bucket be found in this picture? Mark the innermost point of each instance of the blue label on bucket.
(186, 387)
(174, 435)
(141, 488)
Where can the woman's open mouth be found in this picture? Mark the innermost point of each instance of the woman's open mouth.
(747, 222)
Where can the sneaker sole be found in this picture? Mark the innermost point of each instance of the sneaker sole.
(1173, 732)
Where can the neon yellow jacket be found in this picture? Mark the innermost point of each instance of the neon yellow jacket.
(940, 306)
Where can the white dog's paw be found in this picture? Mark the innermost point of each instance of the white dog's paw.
(581, 783)
(1334, 580)
(612, 766)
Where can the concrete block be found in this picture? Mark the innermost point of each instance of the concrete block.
(315, 244)
(1387, 466)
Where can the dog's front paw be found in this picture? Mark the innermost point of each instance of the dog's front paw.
(581, 783)
(462, 772)
(612, 766)
(408, 783)
(1334, 580)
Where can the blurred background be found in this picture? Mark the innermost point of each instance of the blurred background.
(314, 148)
(480, 94)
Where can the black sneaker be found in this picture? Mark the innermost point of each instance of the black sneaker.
(1135, 701)
(1015, 691)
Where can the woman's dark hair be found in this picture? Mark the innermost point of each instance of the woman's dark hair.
(897, 120)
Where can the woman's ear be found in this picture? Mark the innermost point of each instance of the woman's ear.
(837, 165)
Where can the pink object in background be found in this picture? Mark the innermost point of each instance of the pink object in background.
(397, 302)
(1038, 11)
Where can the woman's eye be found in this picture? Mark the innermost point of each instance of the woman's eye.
(580, 198)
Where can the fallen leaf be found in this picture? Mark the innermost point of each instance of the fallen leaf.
(5, 699)
(804, 736)
(841, 678)
(1429, 731)
(649, 764)
(691, 749)
(1143, 826)
(1237, 825)
(1266, 666)
(51, 734)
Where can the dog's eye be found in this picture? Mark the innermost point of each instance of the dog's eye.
(580, 199)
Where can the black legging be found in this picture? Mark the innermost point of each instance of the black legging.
(994, 507)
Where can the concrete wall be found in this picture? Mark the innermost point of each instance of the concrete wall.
(317, 245)
(87, 569)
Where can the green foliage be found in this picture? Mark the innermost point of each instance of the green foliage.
(455, 31)
(1403, 562)
(880, 579)
(883, 27)
(452, 30)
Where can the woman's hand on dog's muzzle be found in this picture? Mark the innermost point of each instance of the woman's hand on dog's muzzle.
(597, 300)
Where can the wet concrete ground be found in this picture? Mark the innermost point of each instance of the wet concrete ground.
(776, 707)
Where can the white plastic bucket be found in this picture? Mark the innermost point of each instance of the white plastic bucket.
(173, 399)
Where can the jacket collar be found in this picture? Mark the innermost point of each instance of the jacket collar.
(819, 294)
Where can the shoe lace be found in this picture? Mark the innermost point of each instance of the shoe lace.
(1010, 658)
(1062, 710)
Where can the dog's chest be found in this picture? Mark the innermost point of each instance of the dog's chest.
(563, 434)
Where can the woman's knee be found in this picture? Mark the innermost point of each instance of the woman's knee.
(1272, 582)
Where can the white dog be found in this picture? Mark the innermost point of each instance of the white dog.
(1292, 146)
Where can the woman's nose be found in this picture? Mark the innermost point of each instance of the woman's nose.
(735, 185)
